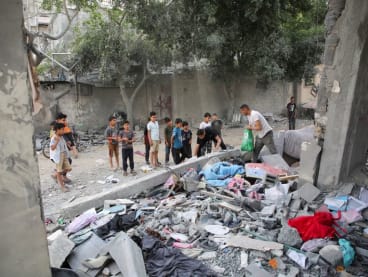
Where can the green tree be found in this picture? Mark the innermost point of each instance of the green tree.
(262, 38)
(120, 52)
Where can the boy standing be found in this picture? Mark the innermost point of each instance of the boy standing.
(59, 154)
(177, 142)
(111, 134)
(127, 138)
(291, 109)
(187, 140)
(216, 123)
(168, 135)
(154, 138)
(205, 124)
(146, 143)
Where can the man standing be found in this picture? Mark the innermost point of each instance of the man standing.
(205, 136)
(291, 110)
(168, 134)
(261, 130)
(154, 138)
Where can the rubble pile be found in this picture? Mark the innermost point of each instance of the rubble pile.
(225, 219)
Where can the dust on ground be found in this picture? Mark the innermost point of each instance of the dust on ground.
(92, 166)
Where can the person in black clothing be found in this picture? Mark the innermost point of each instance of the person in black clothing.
(146, 143)
(216, 123)
(207, 135)
(187, 140)
(291, 109)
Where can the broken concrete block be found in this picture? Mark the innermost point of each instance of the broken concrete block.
(276, 161)
(243, 259)
(208, 255)
(309, 159)
(268, 210)
(248, 243)
(308, 192)
(89, 249)
(332, 254)
(51, 238)
(59, 250)
(289, 236)
(127, 255)
(256, 271)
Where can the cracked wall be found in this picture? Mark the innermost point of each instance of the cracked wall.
(23, 238)
(342, 103)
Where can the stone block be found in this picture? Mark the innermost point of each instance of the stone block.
(59, 250)
(309, 159)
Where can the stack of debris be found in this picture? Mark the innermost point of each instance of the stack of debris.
(227, 219)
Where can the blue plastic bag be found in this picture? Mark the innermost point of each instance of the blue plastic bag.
(348, 252)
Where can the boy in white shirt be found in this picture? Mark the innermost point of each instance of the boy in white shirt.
(59, 154)
(261, 130)
(154, 138)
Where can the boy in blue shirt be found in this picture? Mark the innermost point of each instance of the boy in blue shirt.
(187, 140)
(177, 142)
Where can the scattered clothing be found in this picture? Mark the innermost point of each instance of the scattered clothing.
(162, 260)
(220, 174)
(319, 225)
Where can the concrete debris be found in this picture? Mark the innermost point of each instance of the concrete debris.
(235, 230)
(309, 192)
(332, 254)
(60, 249)
(289, 236)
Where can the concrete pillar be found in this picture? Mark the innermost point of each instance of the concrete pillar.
(343, 98)
(23, 243)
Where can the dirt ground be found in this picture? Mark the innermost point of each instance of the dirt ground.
(91, 168)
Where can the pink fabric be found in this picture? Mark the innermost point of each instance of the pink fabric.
(269, 169)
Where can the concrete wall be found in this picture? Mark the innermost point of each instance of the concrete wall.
(342, 103)
(188, 95)
(23, 238)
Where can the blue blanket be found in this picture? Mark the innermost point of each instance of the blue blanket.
(220, 174)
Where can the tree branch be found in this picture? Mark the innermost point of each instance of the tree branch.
(141, 83)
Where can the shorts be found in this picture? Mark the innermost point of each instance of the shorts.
(155, 146)
(113, 149)
(64, 164)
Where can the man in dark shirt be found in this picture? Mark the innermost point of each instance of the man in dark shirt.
(206, 135)
(291, 109)
(216, 123)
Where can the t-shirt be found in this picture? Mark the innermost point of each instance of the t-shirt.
(186, 136)
(210, 135)
(178, 140)
(112, 132)
(129, 135)
(291, 109)
(253, 117)
(61, 148)
(217, 125)
(154, 129)
(168, 133)
(204, 125)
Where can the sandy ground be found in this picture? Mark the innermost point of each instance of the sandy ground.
(92, 167)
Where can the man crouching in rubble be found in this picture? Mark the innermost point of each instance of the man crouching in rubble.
(206, 135)
(261, 130)
(59, 154)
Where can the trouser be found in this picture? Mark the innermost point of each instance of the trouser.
(292, 123)
(207, 148)
(127, 154)
(187, 151)
(148, 147)
(167, 153)
(267, 141)
(203, 147)
(178, 155)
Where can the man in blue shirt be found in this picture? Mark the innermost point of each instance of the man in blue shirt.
(177, 142)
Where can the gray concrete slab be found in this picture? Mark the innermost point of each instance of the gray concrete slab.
(135, 186)
(59, 250)
(309, 159)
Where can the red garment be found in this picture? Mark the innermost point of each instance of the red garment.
(319, 225)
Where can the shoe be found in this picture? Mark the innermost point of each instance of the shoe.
(125, 173)
(147, 163)
(133, 172)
